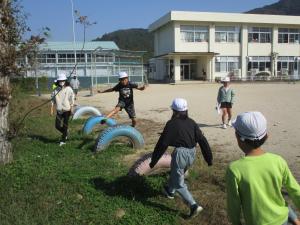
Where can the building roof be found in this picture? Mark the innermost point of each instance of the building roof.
(68, 46)
(241, 18)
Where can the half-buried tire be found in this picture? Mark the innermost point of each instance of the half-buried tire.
(106, 137)
(86, 110)
(141, 166)
(94, 120)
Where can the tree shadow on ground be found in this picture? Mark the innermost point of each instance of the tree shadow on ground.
(44, 139)
(87, 142)
(131, 188)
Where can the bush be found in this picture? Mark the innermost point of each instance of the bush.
(29, 84)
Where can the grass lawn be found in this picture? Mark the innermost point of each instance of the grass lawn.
(48, 184)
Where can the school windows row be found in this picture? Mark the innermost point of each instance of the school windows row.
(261, 63)
(62, 58)
(232, 34)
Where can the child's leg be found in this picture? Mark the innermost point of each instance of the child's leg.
(133, 122)
(224, 114)
(131, 113)
(229, 111)
(58, 121)
(113, 112)
(293, 217)
(181, 160)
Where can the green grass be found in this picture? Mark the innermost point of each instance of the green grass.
(48, 184)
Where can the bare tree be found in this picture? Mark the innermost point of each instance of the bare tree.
(12, 27)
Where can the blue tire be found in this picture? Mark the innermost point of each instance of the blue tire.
(111, 133)
(93, 121)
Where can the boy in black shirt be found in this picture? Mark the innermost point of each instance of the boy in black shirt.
(182, 133)
(125, 89)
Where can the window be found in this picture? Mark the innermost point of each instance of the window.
(260, 35)
(62, 58)
(51, 58)
(80, 58)
(288, 63)
(286, 35)
(227, 63)
(261, 63)
(227, 34)
(193, 33)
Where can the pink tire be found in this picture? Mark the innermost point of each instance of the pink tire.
(141, 166)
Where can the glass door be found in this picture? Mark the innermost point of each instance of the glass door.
(185, 72)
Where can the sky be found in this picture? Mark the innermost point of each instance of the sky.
(112, 15)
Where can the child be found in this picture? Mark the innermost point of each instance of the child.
(74, 83)
(254, 182)
(125, 89)
(225, 99)
(182, 133)
(63, 99)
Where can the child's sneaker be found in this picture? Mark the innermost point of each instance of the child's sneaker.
(224, 126)
(61, 143)
(195, 210)
(103, 121)
(167, 193)
(230, 123)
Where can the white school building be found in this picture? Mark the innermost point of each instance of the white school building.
(208, 46)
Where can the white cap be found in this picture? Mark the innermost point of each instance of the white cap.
(251, 125)
(179, 104)
(225, 79)
(61, 77)
(122, 75)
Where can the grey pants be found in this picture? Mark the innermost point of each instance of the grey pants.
(292, 216)
(182, 159)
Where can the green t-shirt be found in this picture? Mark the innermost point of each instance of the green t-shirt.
(254, 184)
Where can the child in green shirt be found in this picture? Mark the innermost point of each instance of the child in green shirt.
(254, 182)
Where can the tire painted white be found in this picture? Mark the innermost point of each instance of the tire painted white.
(85, 110)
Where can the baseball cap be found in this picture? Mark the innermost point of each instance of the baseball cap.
(61, 77)
(225, 79)
(179, 104)
(122, 75)
(251, 125)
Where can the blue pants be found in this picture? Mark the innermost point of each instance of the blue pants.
(182, 159)
(292, 216)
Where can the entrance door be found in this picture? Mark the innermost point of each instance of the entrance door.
(185, 72)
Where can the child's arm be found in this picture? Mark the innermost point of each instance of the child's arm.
(233, 198)
(232, 96)
(291, 186)
(219, 96)
(107, 90)
(141, 88)
(204, 146)
(52, 109)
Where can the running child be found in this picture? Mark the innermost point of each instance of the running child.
(182, 133)
(125, 89)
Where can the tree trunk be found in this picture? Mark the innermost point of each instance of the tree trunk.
(5, 145)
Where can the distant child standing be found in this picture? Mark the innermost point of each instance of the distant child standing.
(125, 89)
(225, 99)
(63, 100)
(254, 182)
(182, 133)
(74, 83)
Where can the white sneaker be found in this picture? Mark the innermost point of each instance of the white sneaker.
(224, 126)
(230, 123)
(61, 143)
